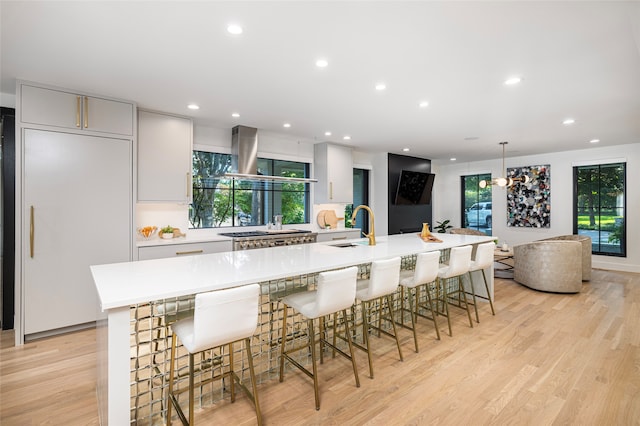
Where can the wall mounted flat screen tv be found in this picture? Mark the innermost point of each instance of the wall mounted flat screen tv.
(414, 188)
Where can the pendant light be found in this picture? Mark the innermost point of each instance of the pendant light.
(503, 181)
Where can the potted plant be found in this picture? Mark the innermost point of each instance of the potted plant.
(166, 232)
(442, 227)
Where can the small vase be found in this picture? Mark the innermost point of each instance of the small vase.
(425, 230)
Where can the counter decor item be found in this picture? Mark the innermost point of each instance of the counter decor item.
(427, 236)
(327, 219)
(147, 232)
(171, 232)
(443, 226)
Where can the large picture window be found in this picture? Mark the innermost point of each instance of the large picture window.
(599, 206)
(476, 203)
(221, 202)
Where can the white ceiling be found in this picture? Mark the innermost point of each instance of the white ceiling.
(576, 59)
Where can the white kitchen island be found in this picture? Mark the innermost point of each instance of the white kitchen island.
(122, 287)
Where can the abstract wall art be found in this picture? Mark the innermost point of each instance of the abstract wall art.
(529, 204)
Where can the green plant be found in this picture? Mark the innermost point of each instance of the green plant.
(442, 227)
(166, 230)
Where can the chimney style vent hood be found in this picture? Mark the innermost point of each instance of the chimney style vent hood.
(244, 149)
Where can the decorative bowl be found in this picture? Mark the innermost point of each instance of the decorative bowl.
(147, 232)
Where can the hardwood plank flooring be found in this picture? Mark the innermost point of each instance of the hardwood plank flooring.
(543, 359)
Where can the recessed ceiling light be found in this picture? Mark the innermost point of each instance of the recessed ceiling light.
(287, 125)
(568, 121)
(234, 29)
(453, 159)
(347, 138)
(594, 141)
(235, 115)
(193, 106)
(322, 63)
(405, 150)
(512, 80)
(423, 104)
(327, 133)
(381, 86)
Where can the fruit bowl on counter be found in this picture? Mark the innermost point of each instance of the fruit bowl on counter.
(146, 232)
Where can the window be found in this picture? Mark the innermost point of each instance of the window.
(476, 203)
(219, 201)
(360, 196)
(599, 207)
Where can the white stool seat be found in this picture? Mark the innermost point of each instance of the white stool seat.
(219, 318)
(336, 291)
(482, 261)
(383, 281)
(424, 273)
(459, 262)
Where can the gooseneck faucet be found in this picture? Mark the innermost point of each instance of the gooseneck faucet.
(372, 234)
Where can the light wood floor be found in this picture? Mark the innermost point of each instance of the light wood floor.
(543, 359)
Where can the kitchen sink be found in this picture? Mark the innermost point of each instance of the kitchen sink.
(343, 245)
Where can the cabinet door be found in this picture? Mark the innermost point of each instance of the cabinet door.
(76, 213)
(164, 157)
(50, 107)
(336, 236)
(334, 171)
(107, 116)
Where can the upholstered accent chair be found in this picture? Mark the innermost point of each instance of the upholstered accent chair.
(553, 265)
(586, 251)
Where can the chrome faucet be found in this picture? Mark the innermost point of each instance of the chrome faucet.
(372, 234)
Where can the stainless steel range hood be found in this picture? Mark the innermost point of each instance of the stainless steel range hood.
(244, 149)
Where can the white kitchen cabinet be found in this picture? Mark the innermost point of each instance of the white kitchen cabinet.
(67, 109)
(333, 167)
(184, 249)
(76, 211)
(347, 234)
(165, 144)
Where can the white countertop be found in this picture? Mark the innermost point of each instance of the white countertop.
(124, 284)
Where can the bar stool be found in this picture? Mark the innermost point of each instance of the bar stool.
(220, 318)
(483, 259)
(459, 263)
(336, 292)
(424, 274)
(382, 283)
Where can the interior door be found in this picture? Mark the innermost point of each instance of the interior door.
(77, 213)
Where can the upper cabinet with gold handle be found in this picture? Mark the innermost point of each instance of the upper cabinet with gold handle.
(60, 108)
(165, 149)
(333, 167)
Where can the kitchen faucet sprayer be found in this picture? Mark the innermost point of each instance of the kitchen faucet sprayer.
(372, 234)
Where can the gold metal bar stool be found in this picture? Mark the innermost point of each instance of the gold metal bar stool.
(220, 318)
(424, 275)
(336, 292)
(382, 283)
(459, 262)
(483, 260)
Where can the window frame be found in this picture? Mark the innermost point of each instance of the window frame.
(623, 239)
(463, 201)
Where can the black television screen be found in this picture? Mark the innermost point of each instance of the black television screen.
(414, 188)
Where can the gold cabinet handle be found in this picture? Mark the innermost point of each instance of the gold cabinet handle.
(77, 111)
(86, 112)
(331, 190)
(32, 231)
(339, 238)
(182, 253)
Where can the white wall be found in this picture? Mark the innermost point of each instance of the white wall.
(447, 196)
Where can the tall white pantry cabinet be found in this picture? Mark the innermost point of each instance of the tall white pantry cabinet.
(74, 171)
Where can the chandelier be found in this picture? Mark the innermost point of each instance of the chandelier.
(503, 181)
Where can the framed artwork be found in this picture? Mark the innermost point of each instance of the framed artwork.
(529, 204)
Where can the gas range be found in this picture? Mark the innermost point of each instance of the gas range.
(272, 238)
